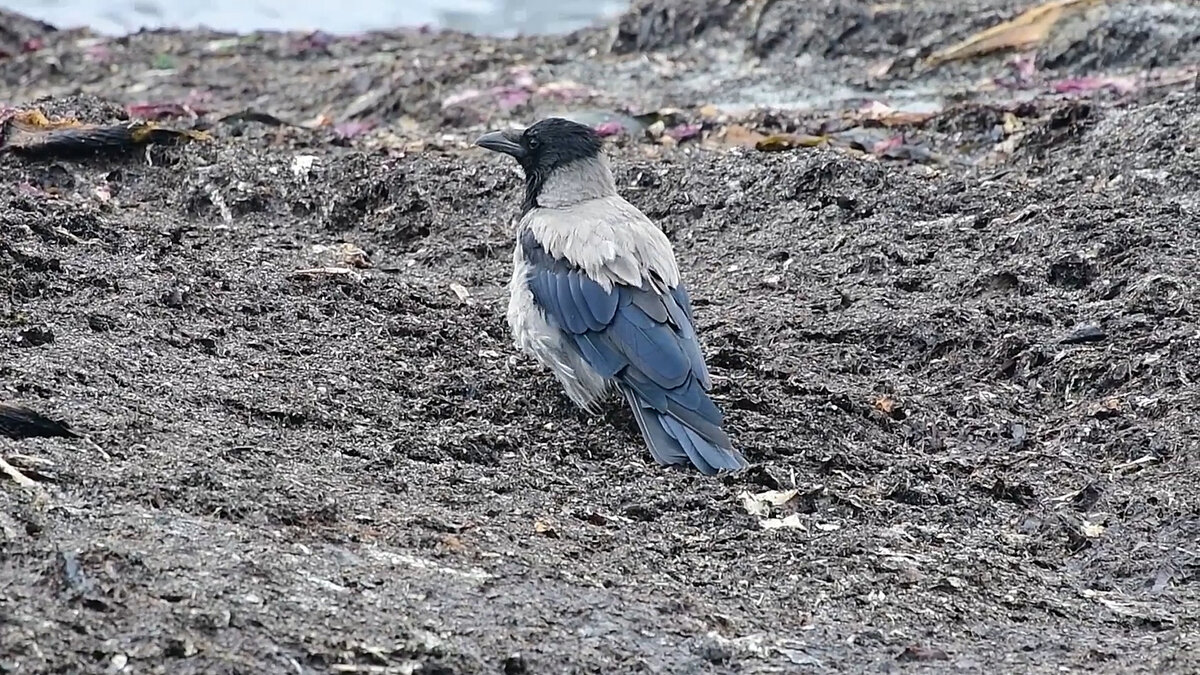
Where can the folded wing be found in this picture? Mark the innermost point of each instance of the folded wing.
(644, 338)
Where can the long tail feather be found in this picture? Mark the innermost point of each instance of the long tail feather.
(672, 442)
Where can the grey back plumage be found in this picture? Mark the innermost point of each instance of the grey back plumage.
(617, 245)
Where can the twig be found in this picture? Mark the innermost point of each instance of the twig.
(15, 474)
(1137, 464)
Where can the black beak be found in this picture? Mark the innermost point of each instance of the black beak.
(507, 142)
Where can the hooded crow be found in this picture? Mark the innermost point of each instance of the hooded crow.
(18, 422)
(596, 297)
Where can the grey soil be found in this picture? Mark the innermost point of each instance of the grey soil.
(978, 368)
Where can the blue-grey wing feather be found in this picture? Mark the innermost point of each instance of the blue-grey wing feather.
(643, 337)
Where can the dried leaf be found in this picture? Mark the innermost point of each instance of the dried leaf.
(15, 474)
(452, 543)
(793, 521)
(30, 133)
(352, 255)
(544, 527)
(1109, 407)
(779, 142)
(1030, 28)
(461, 291)
(1012, 124)
(736, 135)
(761, 504)
(885, 115)
(887, 405)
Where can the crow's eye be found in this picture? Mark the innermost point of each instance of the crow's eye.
(534, 142)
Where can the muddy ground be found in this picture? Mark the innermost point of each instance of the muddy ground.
(976, 361)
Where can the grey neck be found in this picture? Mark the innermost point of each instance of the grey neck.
(580, 181)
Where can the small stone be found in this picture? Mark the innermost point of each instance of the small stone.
(919, 653)
(1084, 332)
(173, 298)
(35, 337)
(101, 323)
(515, 664)
(715, 653)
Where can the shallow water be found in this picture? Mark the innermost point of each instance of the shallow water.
(496, 17)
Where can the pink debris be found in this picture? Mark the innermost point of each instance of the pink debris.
(606, 129)
(32, 44)
(875, 110)
(316, 40)
(684, 131)
(353, 129)
(511, 97)
(564, 91)
(1024, 69)
(887, 144)
(31, 190)
(518, 91)
(1024, 66)
(98, 53)
(461, 97)
(522, 78)
(1083, 85)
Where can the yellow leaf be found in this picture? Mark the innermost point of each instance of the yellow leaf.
(777, 142)
(887, 405)
(740, 136)
(544, 527)
(1031, 28)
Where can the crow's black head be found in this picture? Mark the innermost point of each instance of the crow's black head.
(545, 146)
(540, 149)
